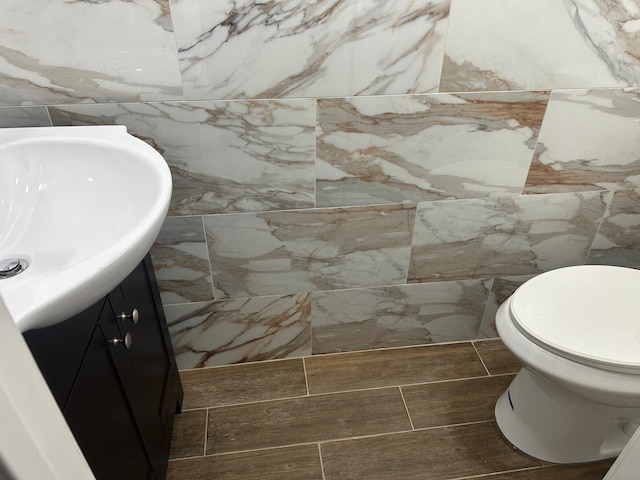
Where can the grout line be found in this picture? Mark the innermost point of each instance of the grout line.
(605, 215)
(480, 357)
(342, 439)
(402, 432)
(206, 433)
(206, 246)
(404, 402)
(321, 462)
(502, 472)
(194, 409)
(306, 379)
(242, 364)
(339, 392)
(330, 354)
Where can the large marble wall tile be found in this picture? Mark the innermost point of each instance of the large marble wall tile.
(541, 44)
(87, 51)
(501, 289)
(589, 140)
(181, 261)
(242, 330)
(304, 251)
(248, 49)
(425, 147)
(476, 238)
(618, 240)
(347, 320)
(15, 117)
(225, 156)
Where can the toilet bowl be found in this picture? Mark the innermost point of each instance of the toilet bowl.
(576, 331)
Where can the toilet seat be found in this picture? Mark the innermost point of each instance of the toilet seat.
(589, 314)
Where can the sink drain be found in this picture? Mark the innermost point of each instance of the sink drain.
(10, 267)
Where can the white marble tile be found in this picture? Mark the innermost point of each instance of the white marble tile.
(501, 289)
(348, 320)
(541, 44)
(247, 49)
(391, 149)
(490, 237)
(225, 156)
(275, 253)
(589, 140)
(181, 261)
(15, 117)
(618, 239)
(87, 51)
(236, 331)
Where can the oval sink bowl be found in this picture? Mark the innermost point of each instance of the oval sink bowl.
(80, 206)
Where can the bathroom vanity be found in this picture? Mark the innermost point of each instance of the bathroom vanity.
(112, 371)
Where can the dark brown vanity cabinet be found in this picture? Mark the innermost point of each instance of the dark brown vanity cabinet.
(113, 373)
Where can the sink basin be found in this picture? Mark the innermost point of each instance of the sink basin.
(80, 206)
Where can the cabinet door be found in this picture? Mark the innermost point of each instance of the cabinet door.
(59, 350)
(98, 411)
(152, 362)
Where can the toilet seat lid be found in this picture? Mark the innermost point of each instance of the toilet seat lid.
(588, 313)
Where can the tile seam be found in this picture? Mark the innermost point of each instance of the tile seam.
(222, 454)
(206, 245)
(424, 382)
(321, 462)
(480, 357)
(343, 439)
(306, 377)
(501, 472)
(339, 392)
(331, 354)
(244, 364)
(406, 408)
(206, 434)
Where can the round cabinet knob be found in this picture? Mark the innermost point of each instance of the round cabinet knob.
(127, 341)
(134, 316)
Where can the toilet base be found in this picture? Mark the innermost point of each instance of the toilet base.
(556, 426)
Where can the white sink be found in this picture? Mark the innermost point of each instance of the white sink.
(82, 205)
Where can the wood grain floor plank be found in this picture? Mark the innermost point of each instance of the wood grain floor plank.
(305, 420)
(459, 401)
(188, 434)
(593, 471)
(435, 454)
(350, 371)
(209, 387)
(497, 357)
(289, 463)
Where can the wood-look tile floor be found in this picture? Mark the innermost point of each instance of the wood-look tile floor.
(395, 414)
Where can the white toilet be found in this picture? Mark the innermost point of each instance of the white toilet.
(576, 330)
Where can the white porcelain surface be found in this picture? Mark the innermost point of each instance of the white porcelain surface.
(564, 310)
(83, 205)
(593, 384)
(560, 410)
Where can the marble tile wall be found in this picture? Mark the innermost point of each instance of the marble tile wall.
(351, 174)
